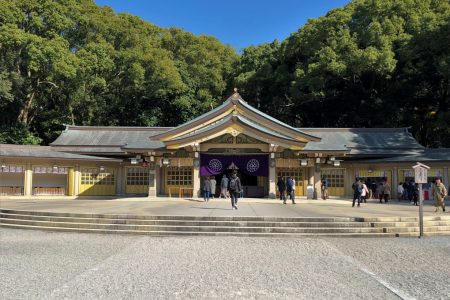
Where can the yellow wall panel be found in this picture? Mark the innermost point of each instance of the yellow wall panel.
(136, 189)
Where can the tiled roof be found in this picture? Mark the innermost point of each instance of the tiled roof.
(7, 150)
(362, 140)
(92, 139)
(437, 154)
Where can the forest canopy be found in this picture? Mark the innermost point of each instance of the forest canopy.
(372, 63)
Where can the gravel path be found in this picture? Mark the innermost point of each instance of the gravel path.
(48, 265)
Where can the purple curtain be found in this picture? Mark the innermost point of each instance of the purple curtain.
(250, 164)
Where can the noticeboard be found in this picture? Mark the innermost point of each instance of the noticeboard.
(421, 175)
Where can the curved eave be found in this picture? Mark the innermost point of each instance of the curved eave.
(249, 110)
(195, 123)
(236, 123)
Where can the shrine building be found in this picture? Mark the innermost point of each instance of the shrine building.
(233, 137)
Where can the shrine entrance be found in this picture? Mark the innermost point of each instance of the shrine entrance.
(252, 169)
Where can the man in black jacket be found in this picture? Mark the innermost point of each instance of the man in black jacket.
(234, 187)
(282, 189)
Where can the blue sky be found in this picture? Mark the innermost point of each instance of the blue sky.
(240, 23)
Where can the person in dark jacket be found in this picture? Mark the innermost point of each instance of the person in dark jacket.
(235, 188)
(206, 189)
(281, 189)
(290, 188)
(416, 194)
(357, 191)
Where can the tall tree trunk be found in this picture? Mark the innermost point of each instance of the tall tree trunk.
(25, 110)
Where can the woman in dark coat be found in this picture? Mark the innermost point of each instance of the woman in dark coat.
(282, 188)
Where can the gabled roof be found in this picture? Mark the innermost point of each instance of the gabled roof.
(237, 124)
(237, 106)
(45, 152)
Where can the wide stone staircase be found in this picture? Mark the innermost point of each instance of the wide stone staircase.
(225, 226)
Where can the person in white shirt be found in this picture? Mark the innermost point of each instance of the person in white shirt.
(400, 191)
(364, 192)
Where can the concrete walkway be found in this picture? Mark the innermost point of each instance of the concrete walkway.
(219, 207)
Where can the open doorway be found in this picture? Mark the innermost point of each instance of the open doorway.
(253, 186)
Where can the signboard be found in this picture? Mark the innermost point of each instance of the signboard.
(421, 173)
(420, 176)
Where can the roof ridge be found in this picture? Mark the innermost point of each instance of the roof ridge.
(23, 145)
(112, 128)
(355, 128)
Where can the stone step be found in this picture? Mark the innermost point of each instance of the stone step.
(416, 229)
(441, 217)
(184, 222)
(416, 234)
(226, 226)
(191, 233)
(409, 224)
(192, 228)
(182, 217)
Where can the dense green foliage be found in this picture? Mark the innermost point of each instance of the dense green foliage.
(372, 63)
(68, 61)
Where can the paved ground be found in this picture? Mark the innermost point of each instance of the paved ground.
(48, 265)
(216, 207)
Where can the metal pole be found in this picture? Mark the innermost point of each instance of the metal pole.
(420, 211)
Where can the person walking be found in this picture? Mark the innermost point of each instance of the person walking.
(439, 193)
(206, 189)
(364, 192)
(290, 190)
(281, 189)
(294, 184)
(373, 188)
(410, 191)
(234, 187)
(400, 191)
(213, 187)
(380, 191)
(416, 194)
(224, 187)
(324, 188)
(386, 191)
(357, 190)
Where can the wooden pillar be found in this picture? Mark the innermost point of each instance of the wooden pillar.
(317, 181)
(71, 182)
(77, 176)
(120, 180)
(272, 180)
(394, 182)
(153, 180)
(196, 179)
(28, 181)
(445, 177)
